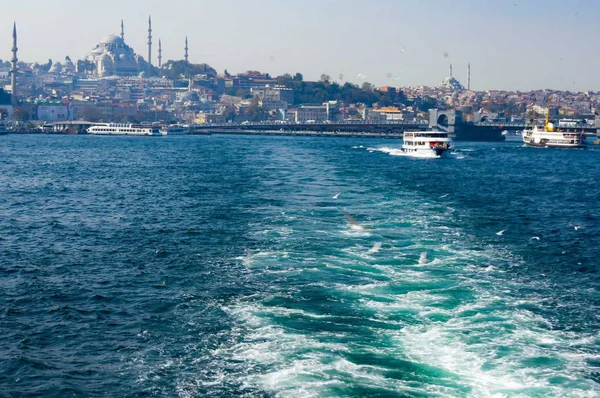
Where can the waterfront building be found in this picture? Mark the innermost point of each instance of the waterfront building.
(388, 113)
(53, 113)
(5, 104)
(311, 113)
(273, 93)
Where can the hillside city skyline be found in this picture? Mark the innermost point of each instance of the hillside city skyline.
(354, 54)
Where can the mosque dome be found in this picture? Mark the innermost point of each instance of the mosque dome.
(189, 96)
(68, 65)
(56, 68)
(112, 39)
(451, 83)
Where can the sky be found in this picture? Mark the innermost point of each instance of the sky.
(511, 45)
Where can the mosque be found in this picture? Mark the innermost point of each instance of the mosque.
(451, 83)
(113, 57)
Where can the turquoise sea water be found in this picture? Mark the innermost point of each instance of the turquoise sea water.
(223, 266)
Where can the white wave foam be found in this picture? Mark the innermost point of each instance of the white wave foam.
(459, 313)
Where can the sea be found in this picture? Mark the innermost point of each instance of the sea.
(256, 266)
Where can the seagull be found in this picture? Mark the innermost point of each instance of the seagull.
(336, 196)
(500, 233)
(423, 258)
(375, 248)
(575, 227)
(534, 238)
(444, 196)
(354, 224)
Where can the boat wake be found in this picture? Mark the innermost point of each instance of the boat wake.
(399, 152)
(398, 323)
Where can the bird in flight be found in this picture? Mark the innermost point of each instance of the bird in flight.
(354, 224)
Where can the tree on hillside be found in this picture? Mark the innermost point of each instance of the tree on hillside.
(284, 80)
(427, 103)
(176, 69)
(90, 113)
(298, 77)
(255, 112)
(325, 78)
(229, 113)
(367, 86)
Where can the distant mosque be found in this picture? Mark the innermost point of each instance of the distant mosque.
(113, 57)
(451, 83)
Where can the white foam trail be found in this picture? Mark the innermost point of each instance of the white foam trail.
(423, 258)
(457, 315)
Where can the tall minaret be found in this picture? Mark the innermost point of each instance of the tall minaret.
(450, 70)
(149, 46)
(13, 70)
(469, 76)
(186, 56)
(122, 30)
(159, 53)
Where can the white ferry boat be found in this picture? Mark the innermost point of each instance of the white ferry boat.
(553, 138)
(426, 144)
(175, 129)
(123, 129)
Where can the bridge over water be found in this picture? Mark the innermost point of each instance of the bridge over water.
(393, 129)
(358, 127)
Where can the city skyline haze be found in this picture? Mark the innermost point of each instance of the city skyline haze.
(511, 45)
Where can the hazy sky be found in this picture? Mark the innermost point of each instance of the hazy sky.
(517, 44)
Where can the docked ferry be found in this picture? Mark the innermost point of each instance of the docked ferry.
(123, 129)
(175, 129)
(426, 144)
(553, 138)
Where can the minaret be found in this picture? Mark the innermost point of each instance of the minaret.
(122, 30)
(149, 46)
(450, 70)
(13, 70)
(186, 56)
(469, 76)
(159, 53)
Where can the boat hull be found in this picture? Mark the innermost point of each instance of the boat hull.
(430, 153)
(471, 132)
(548, 145)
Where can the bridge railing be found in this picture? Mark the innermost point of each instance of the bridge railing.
(523, 125)
(330, 124)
